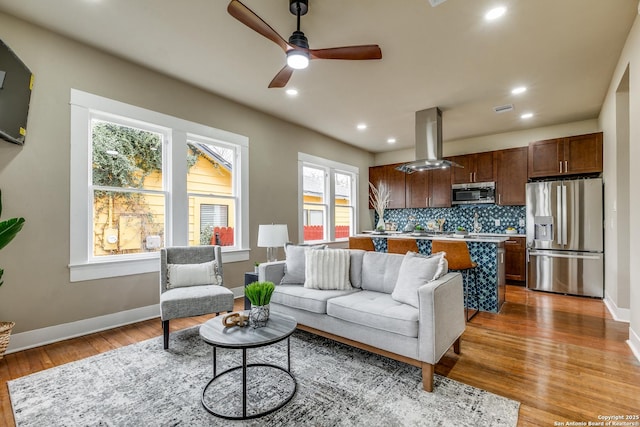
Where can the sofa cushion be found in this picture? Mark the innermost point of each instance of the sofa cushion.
(355, 269)
(380, 271)
(415, 271)
(328, 269)
(314, 300)
(295, 264)
(376, 310)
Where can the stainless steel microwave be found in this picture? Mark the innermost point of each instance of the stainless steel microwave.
(473, 193)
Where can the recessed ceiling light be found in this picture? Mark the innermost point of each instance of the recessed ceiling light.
(391, 140)
(518, 90)
(495, 13)
(292, 92)
(361, 126)
(526, 116)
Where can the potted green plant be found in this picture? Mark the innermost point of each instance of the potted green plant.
(255, 267)
(259, 293)
(8, 230)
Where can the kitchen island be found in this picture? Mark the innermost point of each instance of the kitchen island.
(487, 250)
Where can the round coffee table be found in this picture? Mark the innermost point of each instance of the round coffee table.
(279, 327)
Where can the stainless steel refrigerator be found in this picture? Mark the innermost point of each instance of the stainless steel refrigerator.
(565, 249)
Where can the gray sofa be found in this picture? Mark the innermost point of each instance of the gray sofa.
(367, 316)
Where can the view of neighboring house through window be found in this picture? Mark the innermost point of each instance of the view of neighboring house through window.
(315, 208)
(328, 195)
(212, 200)
(142, 180)
(344, 207)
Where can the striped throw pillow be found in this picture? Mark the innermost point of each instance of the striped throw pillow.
(328, 269)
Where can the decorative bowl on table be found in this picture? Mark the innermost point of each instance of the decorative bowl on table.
(511, 230)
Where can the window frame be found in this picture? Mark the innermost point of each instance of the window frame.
(84, 107)
(330, 168)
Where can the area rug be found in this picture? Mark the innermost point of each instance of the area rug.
(337, 385)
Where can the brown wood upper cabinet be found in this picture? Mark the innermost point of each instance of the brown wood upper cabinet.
(511, 176)
(477, 167)
(571, 155)
(395, 181)
(429, 189)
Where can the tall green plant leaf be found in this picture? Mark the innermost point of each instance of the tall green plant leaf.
(9, 229)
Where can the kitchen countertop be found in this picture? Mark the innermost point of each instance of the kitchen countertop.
(472, 237)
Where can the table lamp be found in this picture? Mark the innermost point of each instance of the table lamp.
(272, 237)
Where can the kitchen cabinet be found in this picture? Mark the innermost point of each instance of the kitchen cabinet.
(572, 155)
(430, 189)
(515, 259)
(511, 176)
(395, 181)
(477, 167)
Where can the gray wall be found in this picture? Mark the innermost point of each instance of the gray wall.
(35, 178)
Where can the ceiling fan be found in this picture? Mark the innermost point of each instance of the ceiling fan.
(297, 48)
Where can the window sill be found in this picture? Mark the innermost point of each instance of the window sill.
(129, 267)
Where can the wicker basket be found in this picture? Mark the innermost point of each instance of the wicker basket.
(5, 334)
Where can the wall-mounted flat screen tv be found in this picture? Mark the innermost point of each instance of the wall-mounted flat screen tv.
(16, 82)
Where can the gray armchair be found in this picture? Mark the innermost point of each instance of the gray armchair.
(188, 287)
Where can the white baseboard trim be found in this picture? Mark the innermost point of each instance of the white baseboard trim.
(634, 343)
(51, 334)
(618, 314)
(38, 337)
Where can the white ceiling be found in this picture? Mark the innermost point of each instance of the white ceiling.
(564, 51)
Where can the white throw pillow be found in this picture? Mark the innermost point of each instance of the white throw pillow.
(328, 269)
(415, 271)
(295, 264)
(206, 273)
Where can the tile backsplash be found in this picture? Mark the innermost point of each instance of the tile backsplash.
(462, 215)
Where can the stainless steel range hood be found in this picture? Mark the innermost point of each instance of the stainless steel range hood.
(428, 143)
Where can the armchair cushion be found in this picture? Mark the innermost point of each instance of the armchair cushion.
(190, 301)
(205, 273)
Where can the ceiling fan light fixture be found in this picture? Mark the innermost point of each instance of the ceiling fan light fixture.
(297, 59)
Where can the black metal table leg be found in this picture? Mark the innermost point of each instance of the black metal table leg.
(288, 355)
(244, 383)
(214, 361)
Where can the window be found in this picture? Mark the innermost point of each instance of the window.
(128, 191)
(142, 180)
(327, 199)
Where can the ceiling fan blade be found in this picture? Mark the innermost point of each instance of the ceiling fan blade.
(282, 78)
(370, 51)
(245, 15)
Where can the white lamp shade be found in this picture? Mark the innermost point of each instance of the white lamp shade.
(272, 235)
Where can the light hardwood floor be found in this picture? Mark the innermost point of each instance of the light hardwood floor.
(563, 357)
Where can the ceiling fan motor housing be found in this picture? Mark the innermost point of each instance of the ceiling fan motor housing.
(299, 39)
(302, 4)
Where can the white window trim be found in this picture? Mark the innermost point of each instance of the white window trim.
(333, 167)
(80, 266)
